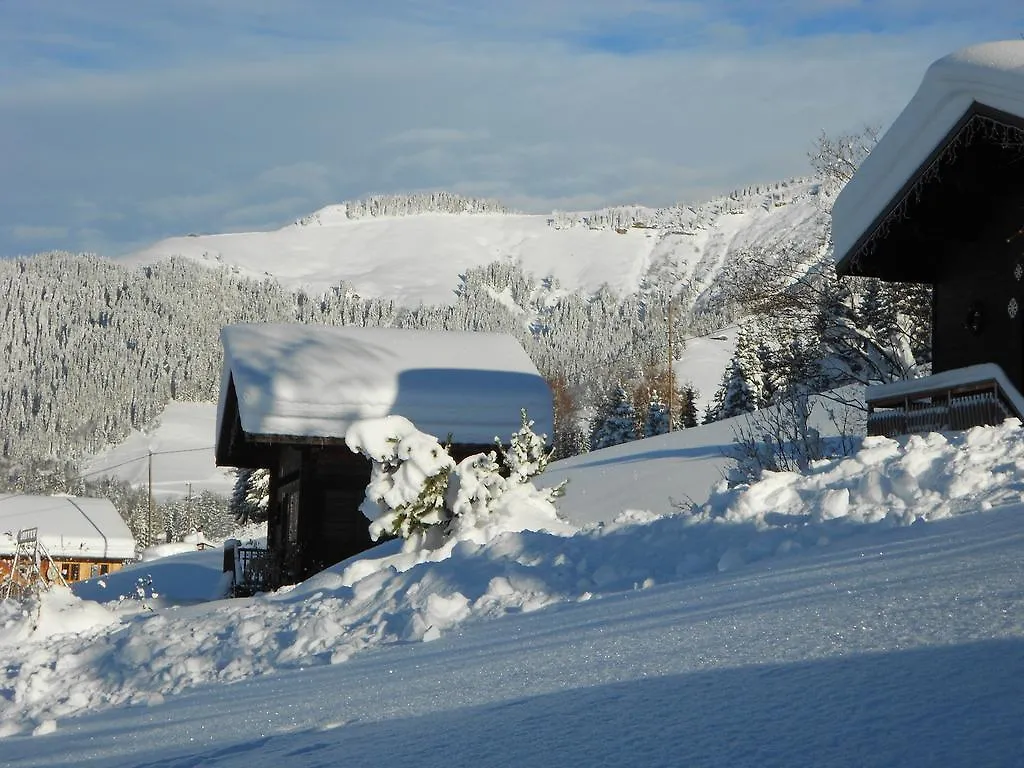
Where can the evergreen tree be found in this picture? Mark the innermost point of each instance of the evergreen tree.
(250, 497)
(616, 422)
(527, 454)
(656, 418)
(743, 382)
(687, 414)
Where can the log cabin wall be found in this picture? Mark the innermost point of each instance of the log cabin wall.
(71, 569)
(335, 487)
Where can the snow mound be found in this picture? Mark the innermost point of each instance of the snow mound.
(922, 477)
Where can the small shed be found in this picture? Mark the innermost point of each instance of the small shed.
(290, 392)
(85, 537)
(940, 200)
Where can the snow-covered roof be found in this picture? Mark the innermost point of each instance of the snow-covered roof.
(68, 526)
(315, 381)
(989, 74)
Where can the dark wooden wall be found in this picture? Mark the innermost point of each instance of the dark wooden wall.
(978, 312)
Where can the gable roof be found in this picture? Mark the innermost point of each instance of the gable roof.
(69, 526)
(313, 381)
(983, 77)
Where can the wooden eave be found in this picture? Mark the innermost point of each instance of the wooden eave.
(894, 247)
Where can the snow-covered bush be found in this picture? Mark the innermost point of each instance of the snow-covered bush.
(409, 478)
(418, 492)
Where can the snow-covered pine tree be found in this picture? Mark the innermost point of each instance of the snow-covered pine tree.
(686, 415)
(212, 515)
(419, 493)
(408, 478)
(527, 454)
(743, 382)
(616, 421)
(656, 420)
(250, 496)
(181, 517)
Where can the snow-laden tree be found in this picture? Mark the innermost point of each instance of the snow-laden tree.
(616, 421)
(419, 493)
(408, 479)
(686, 416)
(250, 497)
(744, 379)
(656, 421)
(836, 158)
(527, 453)
(181, 519)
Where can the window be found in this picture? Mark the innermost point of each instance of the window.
(292, 517)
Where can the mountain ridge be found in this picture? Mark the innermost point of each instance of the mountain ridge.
(432, 239)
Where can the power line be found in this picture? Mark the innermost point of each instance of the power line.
(84, 475)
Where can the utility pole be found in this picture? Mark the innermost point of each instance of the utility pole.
(671, 378)
(149, 518)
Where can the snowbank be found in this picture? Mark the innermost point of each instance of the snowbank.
(394, 596)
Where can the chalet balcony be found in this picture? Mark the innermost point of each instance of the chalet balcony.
(251, 569)
(951, 400)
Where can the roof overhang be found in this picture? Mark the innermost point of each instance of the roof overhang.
(976, 92)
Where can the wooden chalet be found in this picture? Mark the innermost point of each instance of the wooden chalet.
(290, 392)
(79, 537)
(940, 200)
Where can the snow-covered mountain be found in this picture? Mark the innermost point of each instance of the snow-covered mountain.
(413, 250)
(111, 342)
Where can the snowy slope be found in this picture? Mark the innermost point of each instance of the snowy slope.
(418, 258)
(882, 645)
(874, 604)
(181, 441)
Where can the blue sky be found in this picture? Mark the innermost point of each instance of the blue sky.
(124, 122)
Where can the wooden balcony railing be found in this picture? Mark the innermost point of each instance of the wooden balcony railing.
(251, 568)
(951, 400)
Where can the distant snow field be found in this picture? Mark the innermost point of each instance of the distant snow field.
(417, 259)
(181, 442)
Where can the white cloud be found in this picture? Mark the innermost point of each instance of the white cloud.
(34, 233)
(243, 114)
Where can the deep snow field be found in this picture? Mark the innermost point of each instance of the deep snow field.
(869, 611)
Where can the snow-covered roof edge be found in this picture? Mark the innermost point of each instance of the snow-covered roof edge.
(68, 526)
(989, 74)
(299, 380)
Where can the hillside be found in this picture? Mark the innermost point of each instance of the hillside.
(97, 348)
(417, 257)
